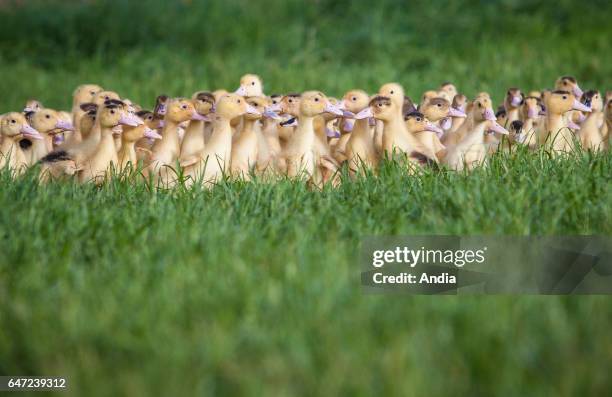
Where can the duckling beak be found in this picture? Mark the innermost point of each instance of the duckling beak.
(276, 107)
(580, 106)
(151, 134)
(446, 123)
(292, 122)
(198, 117)
(348, 125)
(496, 127)
(429, 126)
(28, 109)
(64, 125)
(329, 108)
(30, 132)
(268, 113)
(346, 114)
(130, 119)
(489, 115)
(516, 101)
(331, 133)
(573, 126)
(364, 114)
(577, 91)
(242, 91)
(452, 112)
(251, 110)
(161, 109)
(58, 139)
(532, 113)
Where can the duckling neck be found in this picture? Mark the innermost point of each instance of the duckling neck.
(247, 127)
(554, 122)
(305, 126)
(106, 147)
(170, 138)
(40, 147)
(476, 135)
(361, 129)
(128, 151)
(9, 146)
(394, 126)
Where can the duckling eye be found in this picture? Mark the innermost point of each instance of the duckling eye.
(391, 92)
(290, 101)
(316, 99)
(112, 111)
(439, 105)
(106, 97)
(13, 121)
(47, 116)
(354, 98)
(564, 82)
(184, 107)
(418, 119)
(253, 83)
(564, 96)
(479, 105)
(238, 101)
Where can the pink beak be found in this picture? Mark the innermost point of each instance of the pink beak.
(452, 112)
(581, 117)
(429, 126)
(30, 132)
(577, 91)
(58, 139)
(580, 106)
(130, 119)
(198, 117)
(151, 134)
(489, 115)
(64, 125)
(516, 101)
(446, 123)
(268, 113)
(161, 110)
(329, 108)
(241, 91)
(364, 114)
(276, 107)
(348, 125)
(251, 110)
(496, 127)
(532, 113)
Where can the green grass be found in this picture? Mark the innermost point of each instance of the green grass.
(253, 289)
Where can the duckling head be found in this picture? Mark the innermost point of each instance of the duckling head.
(314, 103)
(231, 106)
(115, 113)
(49, 121)
(514, 98)
(393, 91)
(250, 85)
(501, 115)
(32, 105)
(417, 122)
(15, 125)
(89, 119)
(593, 99)
(259, 103)
(133, 134)
(381, 108)
(204, 102)
(438, 108)
(449, 88)
(531, 107)
(427, 95)
(102, 96)
(85, 93)
(290, 104)
(482, 109)
(180, 110)
(559, 102)
(355, 101)
(568, 83)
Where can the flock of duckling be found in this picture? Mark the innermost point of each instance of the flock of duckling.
(307, 135)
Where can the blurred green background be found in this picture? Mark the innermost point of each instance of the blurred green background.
(143, 48)
(252, 289)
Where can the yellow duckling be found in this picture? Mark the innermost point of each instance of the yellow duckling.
(530, 116)
(302, 155)
(82, 94)
(289, 105)
(48, 123)
(460, 103)
(193, 141)
(110, 118)
(555, 129)
(447, 91)
(440, 111)
(360, 149)
(512, 105)
(166, 151)
(591, 136)
(396, 137)
(208, 166)
(270, 129)
(127, 156)
(472, 150)
(426, 133)
(32, 105)
(250, 85)
(13, 128)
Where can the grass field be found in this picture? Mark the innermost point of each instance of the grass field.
(252, 288)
